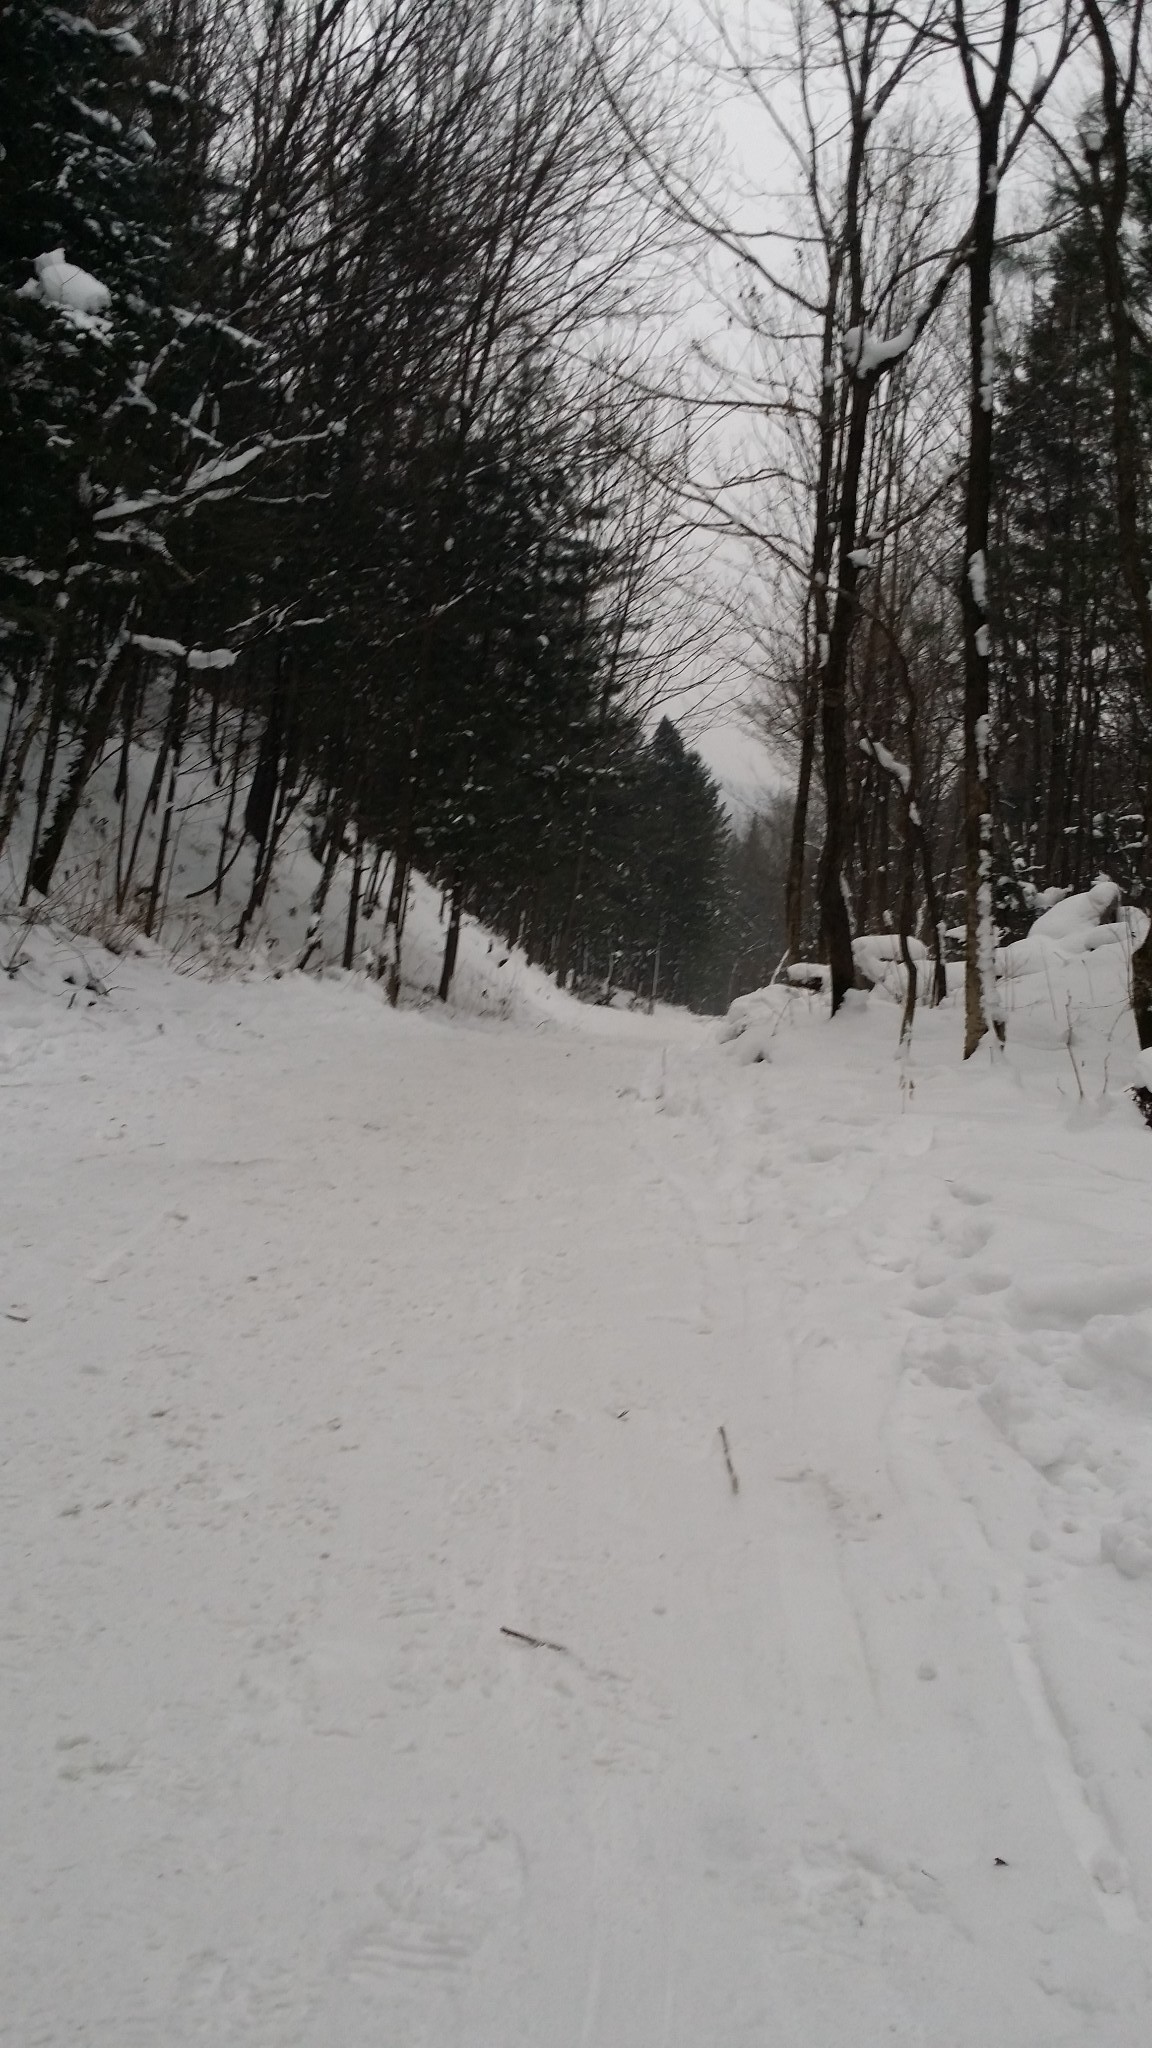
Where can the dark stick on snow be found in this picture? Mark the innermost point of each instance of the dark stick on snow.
(537, 1642)
(728, 1459)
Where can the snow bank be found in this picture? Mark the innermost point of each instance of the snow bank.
(752, 1022)
(1127, 1543)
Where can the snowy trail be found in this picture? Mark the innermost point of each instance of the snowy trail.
(338, 1343)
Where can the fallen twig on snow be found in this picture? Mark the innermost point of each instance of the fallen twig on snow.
(537, 1642)
(728, 1459)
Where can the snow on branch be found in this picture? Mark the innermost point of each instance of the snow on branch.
(215, 473)
(74, 292)
(118, 35)
(865, 353)
(205, 481)
(175, 650)
(878, 752)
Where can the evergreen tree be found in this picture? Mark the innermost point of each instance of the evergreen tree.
(1069, 663)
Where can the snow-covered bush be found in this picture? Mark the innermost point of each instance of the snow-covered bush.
(880, 962)
(752, 1021)
(1071, 925)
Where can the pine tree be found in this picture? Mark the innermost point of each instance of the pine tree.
(1069, 663)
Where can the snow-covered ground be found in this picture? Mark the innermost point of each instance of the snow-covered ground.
(345, 1350)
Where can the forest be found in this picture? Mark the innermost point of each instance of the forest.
(409, 409)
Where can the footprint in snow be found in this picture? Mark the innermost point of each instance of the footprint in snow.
(451, 1889)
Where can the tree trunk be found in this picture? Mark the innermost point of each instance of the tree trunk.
(656, 972)
(124, 873)
(1110, 201)
(835, 923)
(16, 702)
(175, 739)
(265, 779)
(223, 863)
(798, 844)
(567, 929)
(373, 885)
(354, 901)
(981, 1003)
(44, 780)
(285, 803)
(906, 907)
(17, 750)
(452, 943)
(93, 739)
(398, 898)
(332, 854)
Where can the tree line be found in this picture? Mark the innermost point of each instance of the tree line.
(339, 452)
(935, 373)
(320, 461)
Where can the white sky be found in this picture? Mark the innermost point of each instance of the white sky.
(741, 763)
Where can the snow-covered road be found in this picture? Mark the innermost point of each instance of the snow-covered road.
(339, 1345)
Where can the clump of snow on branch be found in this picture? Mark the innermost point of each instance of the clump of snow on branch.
(899, 770)
(117, 35)
(175, 650)
(865, 353)
(74, 292)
